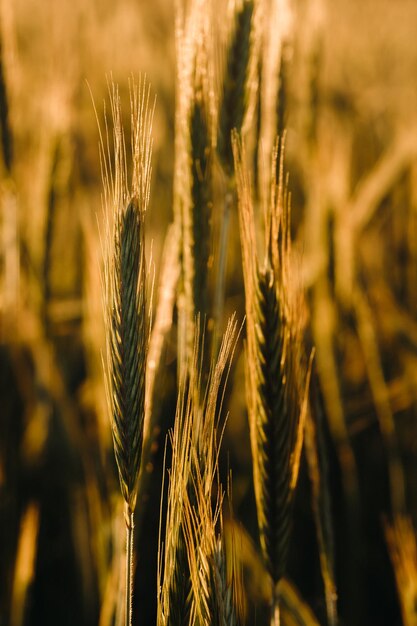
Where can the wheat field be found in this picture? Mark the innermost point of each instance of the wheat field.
(208, 313)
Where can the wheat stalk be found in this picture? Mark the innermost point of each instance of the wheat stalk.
(276, 371)
(282, 96)
(125, 298)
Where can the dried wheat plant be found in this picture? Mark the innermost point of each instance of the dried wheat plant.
(191, 558)
(277, 371)
(125, 294)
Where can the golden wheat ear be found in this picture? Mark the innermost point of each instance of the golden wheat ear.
(277, 372)
(191, 566)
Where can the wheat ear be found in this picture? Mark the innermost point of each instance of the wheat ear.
(276, 371)
(234, 96)
(200, 193)
(186, 567)
(213, 587)
(128, 346)
(233, 105)
(125, 298)
(192, 182)
(174, 585)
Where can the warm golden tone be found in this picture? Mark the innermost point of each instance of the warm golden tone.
(208, 313)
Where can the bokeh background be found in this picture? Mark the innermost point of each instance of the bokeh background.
(351, 118)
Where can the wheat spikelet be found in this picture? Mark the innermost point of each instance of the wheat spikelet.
(276, 371)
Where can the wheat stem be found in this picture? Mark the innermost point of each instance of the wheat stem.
(129, 565)
(275, 614)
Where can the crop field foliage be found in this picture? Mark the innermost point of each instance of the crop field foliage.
(208, 313)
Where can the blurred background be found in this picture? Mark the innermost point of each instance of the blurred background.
(351, 153)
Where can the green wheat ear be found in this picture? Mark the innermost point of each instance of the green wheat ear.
(128, 347)
(125, 301)
(125, 284)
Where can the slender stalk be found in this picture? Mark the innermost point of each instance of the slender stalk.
(275, 612)
(129, 565)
